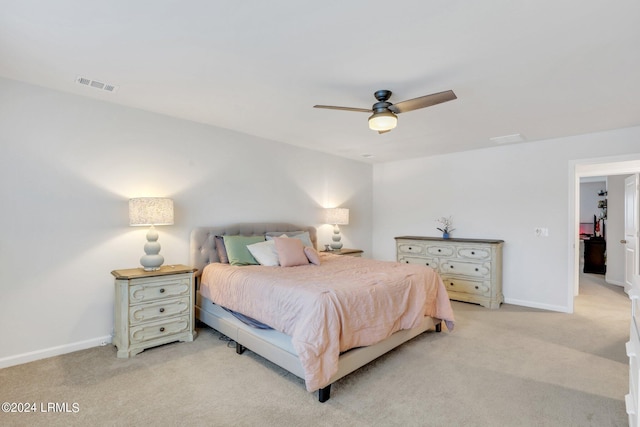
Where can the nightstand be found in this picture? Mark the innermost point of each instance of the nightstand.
(153, 308)
(348, 252)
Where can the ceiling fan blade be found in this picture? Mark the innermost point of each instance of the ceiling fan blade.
(423, 101)
(332, 107)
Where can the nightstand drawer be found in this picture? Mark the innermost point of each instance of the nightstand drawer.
(455, 284)
(148, 290)
(161, 329)
(466, 268)
(158, 310)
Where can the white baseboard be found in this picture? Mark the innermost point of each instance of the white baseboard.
(19, 359)
(613, 282)
(561, 309)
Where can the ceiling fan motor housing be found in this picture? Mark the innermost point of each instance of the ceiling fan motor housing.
(382, 95)
(382, 119)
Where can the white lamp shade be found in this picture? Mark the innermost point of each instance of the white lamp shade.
(337, 216)
(150, 211)
(383, 121)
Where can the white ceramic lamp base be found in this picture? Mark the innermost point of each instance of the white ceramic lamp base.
(152, 261)
(337, 244)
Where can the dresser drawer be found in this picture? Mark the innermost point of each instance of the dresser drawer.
(142, 291)
(474, 253)
(455, 284)
(409, 248)
(441, 251)
(158, 310)
(429, 262)
(160, 329)
(466, 268)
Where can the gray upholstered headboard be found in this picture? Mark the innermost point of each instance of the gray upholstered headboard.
(203, 250)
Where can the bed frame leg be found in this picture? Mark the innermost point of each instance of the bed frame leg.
(240, 348)
(324, 394)
(439, 327)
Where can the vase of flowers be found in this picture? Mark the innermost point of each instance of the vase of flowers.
(445, 225)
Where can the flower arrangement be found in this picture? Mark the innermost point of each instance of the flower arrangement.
(446, 225)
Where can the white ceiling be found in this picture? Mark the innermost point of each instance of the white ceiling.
(543, 69)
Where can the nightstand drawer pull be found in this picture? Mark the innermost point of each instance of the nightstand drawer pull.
(162, 329)
(162, 290)
(161, 309)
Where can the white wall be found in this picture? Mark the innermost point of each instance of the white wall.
(67, 169)
(498, 193)
(589, 199)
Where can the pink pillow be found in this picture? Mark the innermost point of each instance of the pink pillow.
(312, 255)
(290, 252)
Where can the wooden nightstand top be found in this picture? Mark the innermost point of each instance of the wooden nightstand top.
(345, 251)
(134, 273)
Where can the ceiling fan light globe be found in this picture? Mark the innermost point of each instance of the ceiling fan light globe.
(383, 121)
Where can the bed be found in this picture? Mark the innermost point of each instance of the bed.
(292, 347)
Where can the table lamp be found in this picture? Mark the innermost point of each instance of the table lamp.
(336, 216)
(151, 211)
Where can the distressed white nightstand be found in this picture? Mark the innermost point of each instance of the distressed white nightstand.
(153, 308)
(349, 252)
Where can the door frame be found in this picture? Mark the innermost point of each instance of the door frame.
(602, 166)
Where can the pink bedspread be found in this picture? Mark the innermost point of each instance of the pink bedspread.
(343, 303)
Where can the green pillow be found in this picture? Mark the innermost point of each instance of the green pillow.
(237, 249)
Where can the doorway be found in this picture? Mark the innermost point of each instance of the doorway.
(622, 165)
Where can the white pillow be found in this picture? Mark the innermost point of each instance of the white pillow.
(265, 253)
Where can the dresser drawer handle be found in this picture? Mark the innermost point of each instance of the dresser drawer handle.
(406, 262)
(410, 248)
(451, 284)
(162, 310)
(476, 269)
(162, 329)
(426, 263)
(162, 290)
(477, 287)
(473, 253)
(451, 266)
(439, 250)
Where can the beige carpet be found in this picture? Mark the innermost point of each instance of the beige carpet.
(509, 367)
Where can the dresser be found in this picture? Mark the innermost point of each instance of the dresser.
(153, 308)
(471, 269)
(595, 259)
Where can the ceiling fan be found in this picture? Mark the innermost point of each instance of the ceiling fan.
(384, 116)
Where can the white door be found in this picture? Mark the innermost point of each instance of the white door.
(631, 273)
(632, 285)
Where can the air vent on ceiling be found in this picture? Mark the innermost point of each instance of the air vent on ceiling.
(96, 84)
(506, 139)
